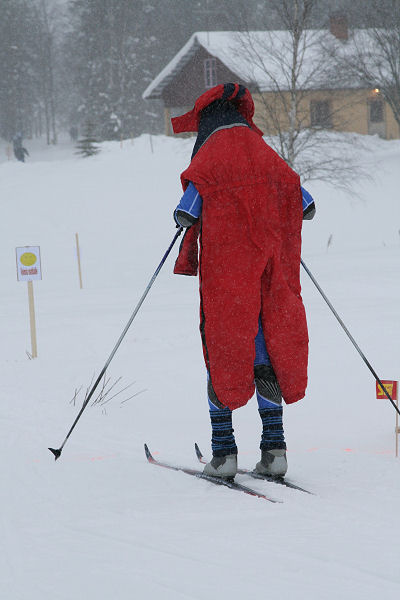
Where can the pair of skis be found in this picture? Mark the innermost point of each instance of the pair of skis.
(230, 483)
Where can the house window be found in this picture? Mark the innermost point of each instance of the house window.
(376, 111)
(210, 72)
(320, 112)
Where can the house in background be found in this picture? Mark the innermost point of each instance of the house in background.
(253, 59)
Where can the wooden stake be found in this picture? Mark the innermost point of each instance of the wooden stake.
(32, 319)
(397, 431)
(78, 254)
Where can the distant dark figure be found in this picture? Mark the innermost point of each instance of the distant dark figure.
(73, 133)
(19, 151)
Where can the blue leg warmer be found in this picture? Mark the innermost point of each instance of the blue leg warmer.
(222, 440)
(271, 414)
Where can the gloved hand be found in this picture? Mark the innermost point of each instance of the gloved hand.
(189, 208)
(308, 205)
(183, 218)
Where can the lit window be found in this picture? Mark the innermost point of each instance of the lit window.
(320, 112)
(210, 72)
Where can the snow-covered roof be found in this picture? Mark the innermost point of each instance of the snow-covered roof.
(262, 58)
(154, 90)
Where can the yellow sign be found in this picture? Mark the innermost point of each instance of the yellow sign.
(28, 263)
(28, 259)
(389, 389)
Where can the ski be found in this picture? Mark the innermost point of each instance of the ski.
(229, 483)
(255, 475)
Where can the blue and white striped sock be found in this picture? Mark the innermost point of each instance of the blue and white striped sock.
(222, 440)
(273, 436)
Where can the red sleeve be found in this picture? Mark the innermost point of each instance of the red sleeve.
(187, 262)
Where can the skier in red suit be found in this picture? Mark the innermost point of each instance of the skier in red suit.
(245, 205)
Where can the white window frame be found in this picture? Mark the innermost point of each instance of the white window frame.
(210, 72)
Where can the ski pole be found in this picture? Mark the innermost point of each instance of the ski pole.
(57, 452)
(349, 335)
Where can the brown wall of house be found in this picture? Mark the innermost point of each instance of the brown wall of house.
(392, 127)
(349, 108)
(349, 111)
(181, 94)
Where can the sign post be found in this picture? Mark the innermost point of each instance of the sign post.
(32, 319)
(391, 387)
(29, 269)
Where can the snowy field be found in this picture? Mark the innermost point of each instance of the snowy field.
(101, 522)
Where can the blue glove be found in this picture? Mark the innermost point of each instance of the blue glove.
(308, 205)
(189, 208)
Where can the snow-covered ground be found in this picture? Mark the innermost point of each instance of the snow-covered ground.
(101, 522)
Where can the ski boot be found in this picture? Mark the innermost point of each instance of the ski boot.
(222, 466)
(273, 463)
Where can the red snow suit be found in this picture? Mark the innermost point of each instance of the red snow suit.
(250, 242)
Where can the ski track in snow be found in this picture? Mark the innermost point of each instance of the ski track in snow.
(102, 523)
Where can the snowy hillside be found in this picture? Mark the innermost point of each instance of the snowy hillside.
(101, 522)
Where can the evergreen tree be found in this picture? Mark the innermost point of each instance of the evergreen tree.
(17, 88)
(27, 68)
(109, 53)
(87, 145)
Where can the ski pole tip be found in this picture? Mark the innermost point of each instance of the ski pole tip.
(198, 451)
(148, 453)
(57, 453)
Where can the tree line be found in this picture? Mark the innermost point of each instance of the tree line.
(84, 64)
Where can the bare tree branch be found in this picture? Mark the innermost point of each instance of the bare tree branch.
(373, 57)
(103, 396)
(284, 67)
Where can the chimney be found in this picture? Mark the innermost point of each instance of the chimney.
(338, 26)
